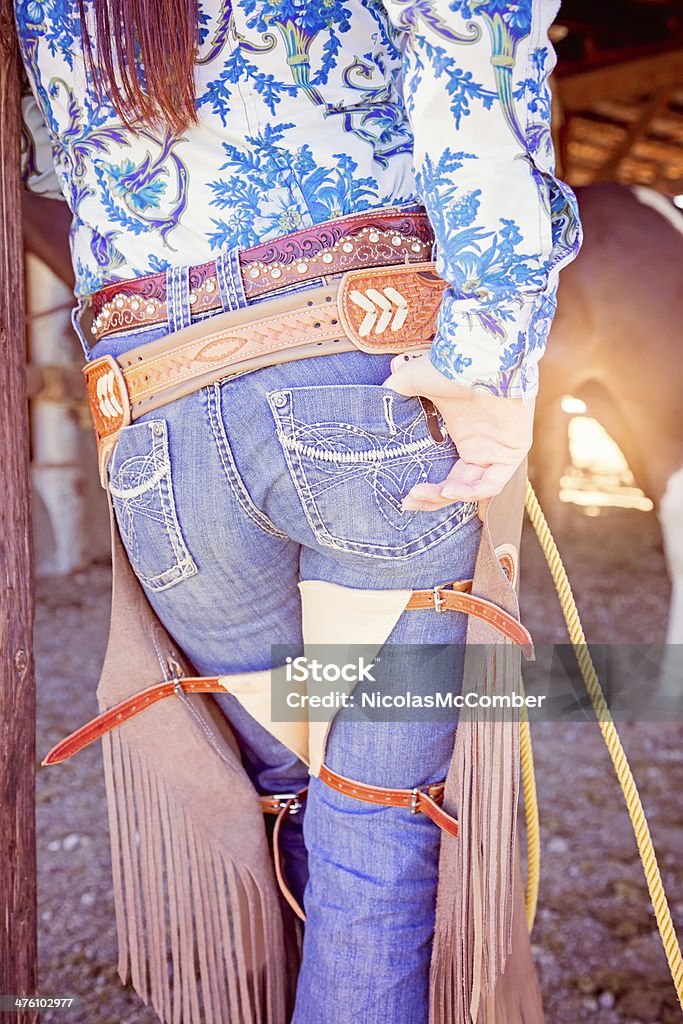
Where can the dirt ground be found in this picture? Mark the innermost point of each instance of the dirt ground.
(595, 938)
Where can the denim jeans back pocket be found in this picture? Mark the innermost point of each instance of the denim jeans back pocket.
(142, 495)
(353, 452)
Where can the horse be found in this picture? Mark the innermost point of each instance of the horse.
(616, 344)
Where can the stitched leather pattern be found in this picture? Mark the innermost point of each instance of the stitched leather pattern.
(107, 396)
(359, 240)
(413, 294)
(391, 309)
(228, 348)
(387, 310)
(109, 406)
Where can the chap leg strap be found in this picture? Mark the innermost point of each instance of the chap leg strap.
(419, 800)
(281, 805)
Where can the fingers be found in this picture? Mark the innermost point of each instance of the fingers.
(403, 379)
(456, 487)
(463, 473)
(491, 434)
(404, 358)
(465, 482)
(425, 498)
(494, 480)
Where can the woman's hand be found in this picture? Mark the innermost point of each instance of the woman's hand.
(492, 434)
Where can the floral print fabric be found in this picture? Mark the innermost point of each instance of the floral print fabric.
(311, 109)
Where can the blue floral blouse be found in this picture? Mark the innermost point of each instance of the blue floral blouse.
(309, 109)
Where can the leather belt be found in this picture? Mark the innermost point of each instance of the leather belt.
(455, 597)
(459, 599)
(420, 800)
(119, 713)
(282, 805)
(371, 238)
(425, 800)
(377, 310)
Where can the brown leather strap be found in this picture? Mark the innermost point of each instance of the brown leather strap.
(420, 800)
(377, 310)
(126, 709)
(369, 238)
(443, 599)
(276, 803)
(454, 597)
(283, 804)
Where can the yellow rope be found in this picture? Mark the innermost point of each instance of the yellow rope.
(533, 832)
(609, 732)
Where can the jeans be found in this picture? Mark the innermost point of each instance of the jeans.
(225, 499)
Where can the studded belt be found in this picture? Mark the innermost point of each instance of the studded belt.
(377, 310)
(372, 238)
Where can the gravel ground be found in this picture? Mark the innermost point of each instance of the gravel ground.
(595, 937)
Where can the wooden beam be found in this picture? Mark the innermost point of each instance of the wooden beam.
(672, 186)
(639, 77)
(18, 952)
(655, 104)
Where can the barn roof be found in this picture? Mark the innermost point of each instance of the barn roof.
(619, 86)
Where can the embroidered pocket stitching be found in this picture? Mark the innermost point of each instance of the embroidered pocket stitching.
(377, 455)
(371, 466)
(165, 514)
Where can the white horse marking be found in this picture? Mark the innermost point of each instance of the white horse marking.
(656, 201)
(671, 519)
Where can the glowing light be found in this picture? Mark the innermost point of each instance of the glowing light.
(593, 500)
(573, 405)
(678, 201)
(592, 448)
(558, 32)
(599, 476)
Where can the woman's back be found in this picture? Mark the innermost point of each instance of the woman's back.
(300, 120)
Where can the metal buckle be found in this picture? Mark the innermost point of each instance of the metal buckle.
(282, 799)
(173, 665)
(439, 601)
(415, 796)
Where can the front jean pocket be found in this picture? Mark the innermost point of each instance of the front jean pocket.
(353, 452)
(142, 495)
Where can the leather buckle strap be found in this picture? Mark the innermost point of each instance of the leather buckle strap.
(419, 800)
(282, 805)
(454, 597)
(372, 237)
(125, 710)
(460, 599)
(290, 803)
(378, 310)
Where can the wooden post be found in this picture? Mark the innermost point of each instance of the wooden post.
(18, 952)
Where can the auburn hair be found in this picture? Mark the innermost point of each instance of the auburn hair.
(141, 54)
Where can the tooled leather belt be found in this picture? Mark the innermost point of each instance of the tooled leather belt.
(379, 310)
(372, 238)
